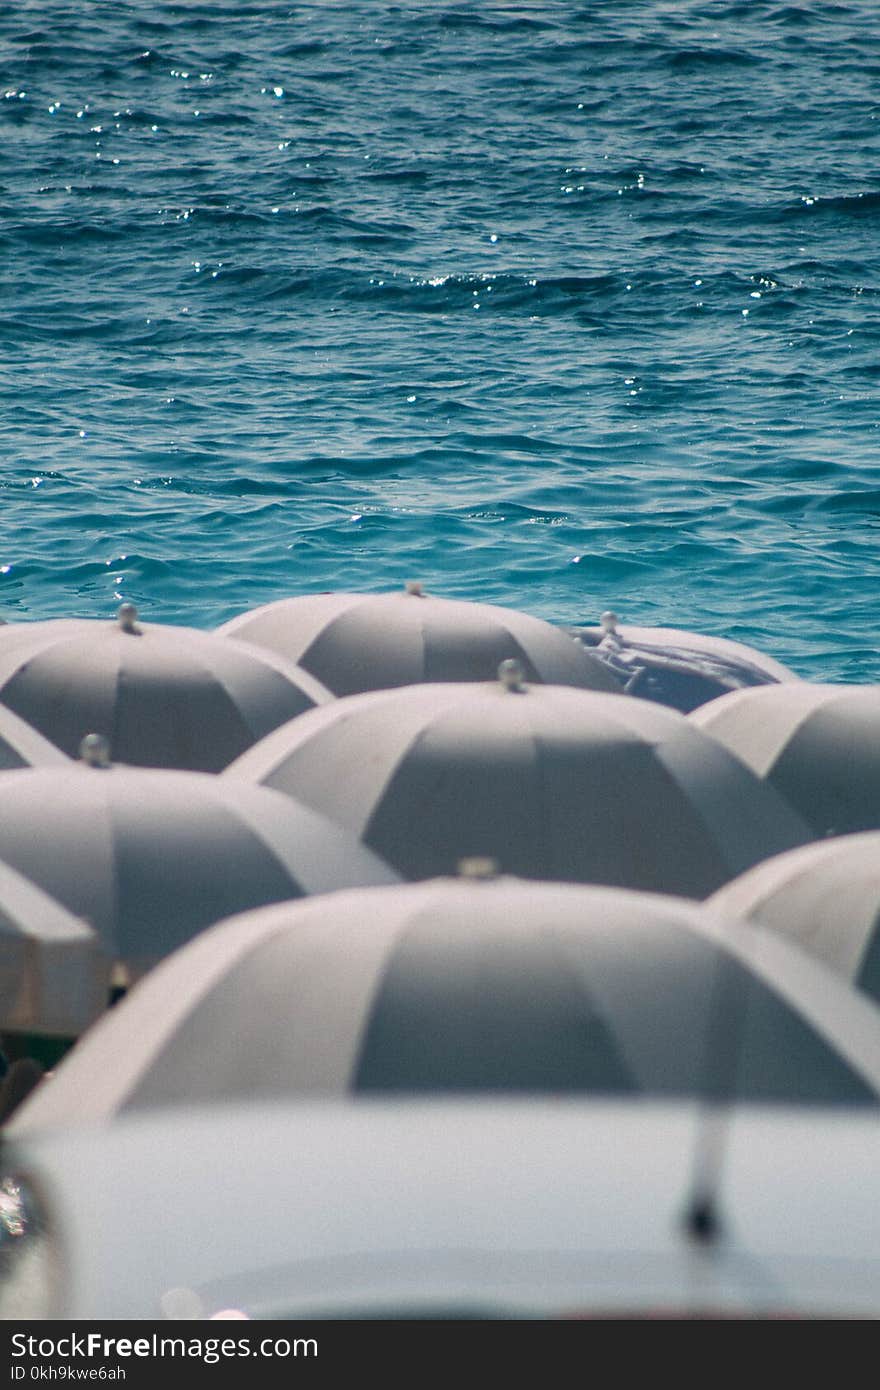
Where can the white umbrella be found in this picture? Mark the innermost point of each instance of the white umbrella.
(819, 745)
(824, 897)
(150, 857)
(163, 696)
(463, 986)
(506, 1209)
(356, 642)
(54, 974)
(677, 668)
(548, 781)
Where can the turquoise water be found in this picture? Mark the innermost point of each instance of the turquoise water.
(559, 306)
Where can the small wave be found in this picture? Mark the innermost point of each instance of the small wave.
(239, 486)
(866, 500)
(791, 16)
(865, 204)
(499, 510)
(687, 59)
(411, 176)
(48, 325)
(444, 294)
(304, 48)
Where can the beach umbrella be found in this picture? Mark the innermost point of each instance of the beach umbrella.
(22, 746)
(54, 974)
(357, 642)
(163, 696)
(819, 745)
(548, 781)
(505, 1208)
(473, 986)
(150, 857)
(824, 897)
(677, 668)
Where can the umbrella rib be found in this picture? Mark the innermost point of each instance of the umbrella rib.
(318, 629)
(403, 928)
(424, 728)
(560, 948)
(759, 952)
(213, 675)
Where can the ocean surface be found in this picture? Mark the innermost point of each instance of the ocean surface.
(561, 306)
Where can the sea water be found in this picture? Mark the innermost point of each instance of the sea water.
(562, 306)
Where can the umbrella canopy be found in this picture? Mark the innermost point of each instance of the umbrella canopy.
(825, 898)
(357, 642)
(455, 986)
(54, 974)
(151, 857)
(819, 745)
(22, 746)
(511, 1208)
(163, 696)
(549, 782)
(676, 668)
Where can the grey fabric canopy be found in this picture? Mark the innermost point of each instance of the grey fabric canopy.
(357, 642)
(548, 781)
(54, 974)
(163, 696)
(464, 986)
(22, 746)
(819, 745)
(824, 897)
(680, 669)
(151, 857)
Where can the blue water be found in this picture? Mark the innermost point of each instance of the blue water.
(563, 306)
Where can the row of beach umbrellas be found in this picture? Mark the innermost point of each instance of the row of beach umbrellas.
(332, 747)
(494, 985)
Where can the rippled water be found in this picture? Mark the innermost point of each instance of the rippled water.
(561, 306)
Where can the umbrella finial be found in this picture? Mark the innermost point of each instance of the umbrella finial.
(94, 751)
(414, 587)
(126, 617)
(120, 975)
(511, 674)
(611, 638)
(119, 984)
(476, 866)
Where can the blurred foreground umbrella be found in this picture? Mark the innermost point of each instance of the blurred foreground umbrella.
(819, 745)
(549, 782)
(163, 696)
(54, 974)
(676, 668)
(509, 1208)
(825, 898)
(454, 986)
(22, 746)
(151, 857)
(357, 642)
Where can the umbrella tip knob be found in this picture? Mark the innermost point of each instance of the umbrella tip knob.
(476, 866)
(414, 587)
(126, 617)
(608, 622)
(511, 674)
(94, 751)
(120, 976)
